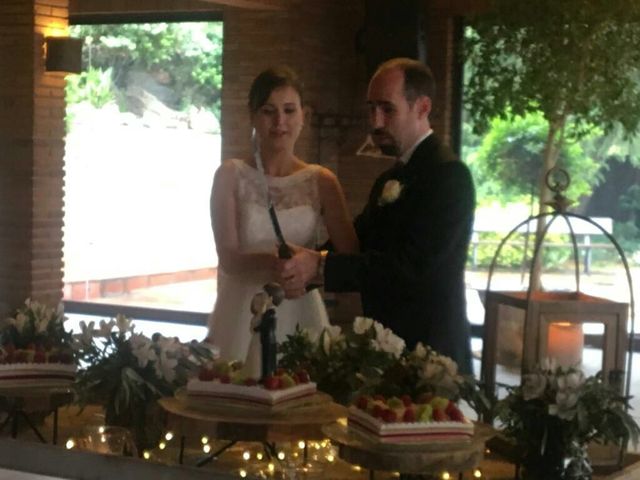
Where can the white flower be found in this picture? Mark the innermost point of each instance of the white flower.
(167, 361)
(533, 385)
(20, 321)
(549, 365)
(85, 337)
(420, 351)
(123, 323)
(571, 380)
(387, 341)
(105, 328)
(331, 336)
(390, 192)
(142, 349)
(361, 325)
(565, 405)
(312, 335)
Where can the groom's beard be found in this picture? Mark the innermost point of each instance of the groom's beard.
(385, 142)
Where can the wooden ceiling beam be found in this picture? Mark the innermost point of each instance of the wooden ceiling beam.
(251, 4)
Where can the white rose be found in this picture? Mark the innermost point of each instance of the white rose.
(390, 192)
(431, 370)
(362, 324)
(330, 336)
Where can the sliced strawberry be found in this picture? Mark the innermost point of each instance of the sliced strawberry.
(389, 416)
(362, 402)
(406, 399)
(454, 413)
(250, 382)
(439, 415)
(272, 382)
(377, 411)
(39, 357)
(409, 415)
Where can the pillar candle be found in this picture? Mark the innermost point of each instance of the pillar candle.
(565, 343)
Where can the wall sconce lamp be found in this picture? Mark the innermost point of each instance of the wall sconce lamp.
(63, 54)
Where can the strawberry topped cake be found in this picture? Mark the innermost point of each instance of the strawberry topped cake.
(401, 420)
(35, 367)
(35, 349)
(227, 385)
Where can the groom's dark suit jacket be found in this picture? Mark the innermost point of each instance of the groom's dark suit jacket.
(411, 270)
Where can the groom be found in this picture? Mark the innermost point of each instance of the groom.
(415, 229)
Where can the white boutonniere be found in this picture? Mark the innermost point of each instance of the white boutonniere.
(390, 192)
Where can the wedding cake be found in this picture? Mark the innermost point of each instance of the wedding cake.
(400, 420)
(31, 374)
(230, 387)
(35, 349)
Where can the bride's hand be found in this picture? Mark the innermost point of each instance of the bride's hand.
(297, 272)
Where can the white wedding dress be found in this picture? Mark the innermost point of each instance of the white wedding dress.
(297, 204)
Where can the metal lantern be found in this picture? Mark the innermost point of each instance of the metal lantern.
(550, 323)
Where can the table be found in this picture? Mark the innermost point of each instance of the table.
(247, 425)
(425, 458)
(20, 402)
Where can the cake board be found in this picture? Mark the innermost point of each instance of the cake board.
(251, 425)
(429, 457)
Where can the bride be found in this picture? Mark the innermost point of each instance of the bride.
(309, 203)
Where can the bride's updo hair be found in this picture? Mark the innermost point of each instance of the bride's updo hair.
(270, 79)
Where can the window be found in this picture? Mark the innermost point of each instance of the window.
(143, 141)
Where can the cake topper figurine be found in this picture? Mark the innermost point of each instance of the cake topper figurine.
(261, 356)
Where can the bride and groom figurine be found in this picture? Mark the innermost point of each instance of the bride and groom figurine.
(261, 357)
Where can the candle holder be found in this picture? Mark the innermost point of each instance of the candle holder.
(539, 324)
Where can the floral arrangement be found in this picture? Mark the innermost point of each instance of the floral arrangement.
(127, 372)
(369, 359)
(423, 371)
(35, 333)
(390, 192)
(555, 412)
(341, 362)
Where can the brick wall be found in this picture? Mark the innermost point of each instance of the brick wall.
(31, 155)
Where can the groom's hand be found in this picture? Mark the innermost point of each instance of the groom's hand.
(297, 272)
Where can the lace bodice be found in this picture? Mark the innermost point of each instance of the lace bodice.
(297, 203)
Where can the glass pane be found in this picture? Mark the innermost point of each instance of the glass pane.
(143, 141)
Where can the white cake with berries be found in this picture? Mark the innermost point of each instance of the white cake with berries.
(403, 421)
(233, 390)
(36, 374)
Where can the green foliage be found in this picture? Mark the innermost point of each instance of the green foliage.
(186, 57)
(340, 362)
(557, 411)
(508, 162)
(36, 325)
(93, 86)
(566, 59)
(371, 359)
(127, 372)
